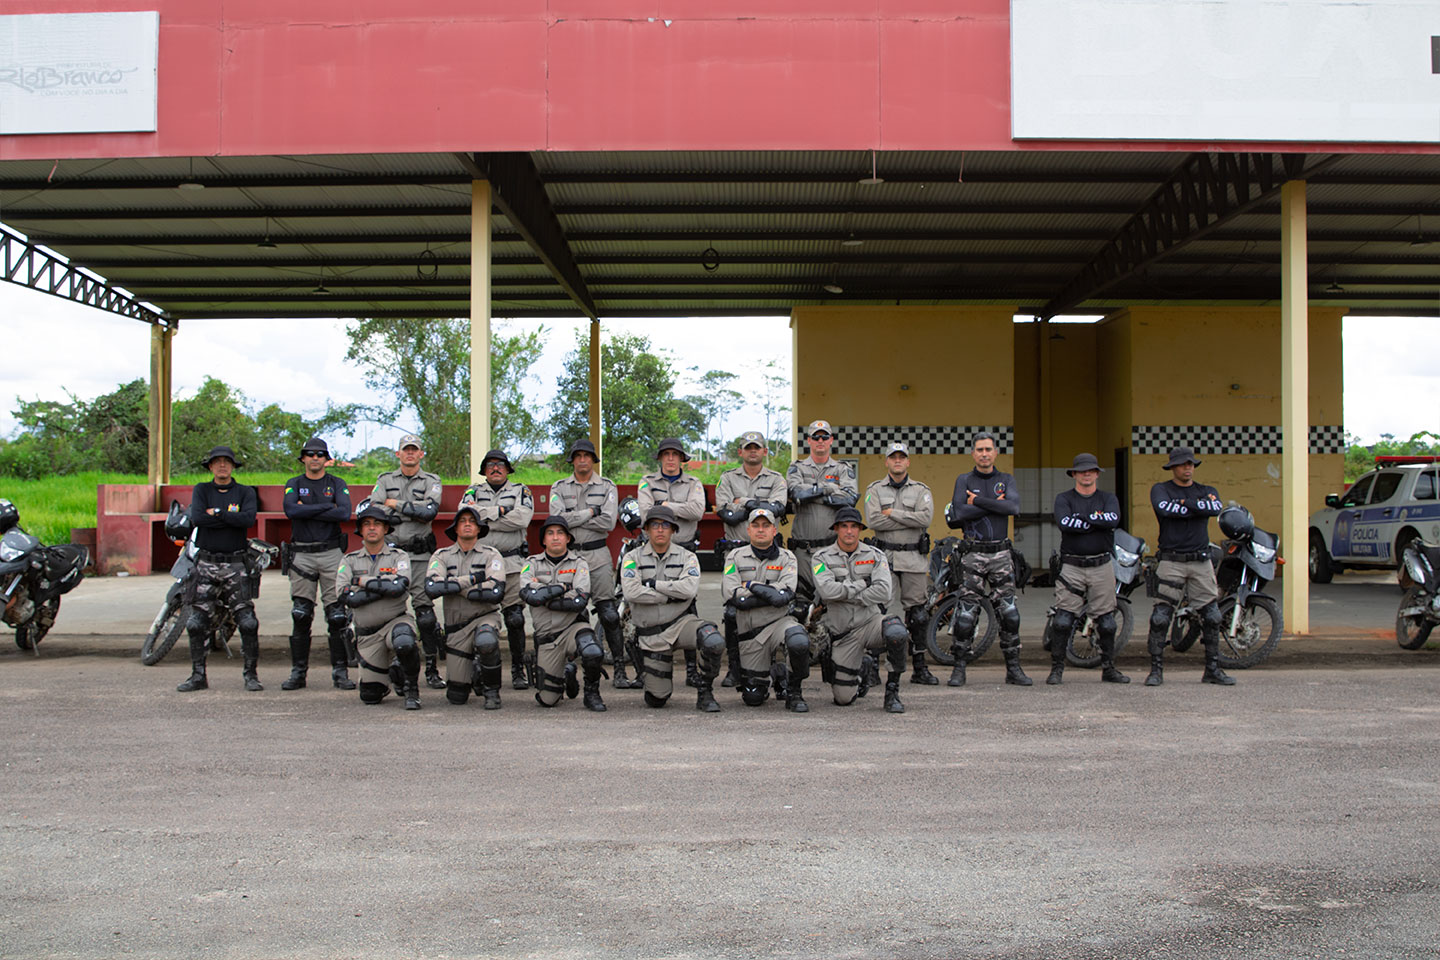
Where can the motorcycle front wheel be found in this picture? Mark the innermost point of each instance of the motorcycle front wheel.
(29, 634)
(1184, 632)
(1083, 647)
(168, 627)
(939, 638)
(1256, 635)
(1413, 629)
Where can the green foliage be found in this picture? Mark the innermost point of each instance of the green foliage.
(639, 408)
(424, 366)
(111, 431)
(1360, 459)
(52, 505)
(266, 440)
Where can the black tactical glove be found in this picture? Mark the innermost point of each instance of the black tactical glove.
(567, 604)
(538, 595)
(774, 596)
(491, 592)
(733, 513)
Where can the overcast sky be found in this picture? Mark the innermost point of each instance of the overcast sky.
(52, 345)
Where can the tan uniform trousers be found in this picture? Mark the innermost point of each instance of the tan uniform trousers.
(846, 652)
(321, 568)
(419, 562)
(1195, 580)
(551, 659)
(758, 653)
(460, 644)
(602, 574)
(659, 649)
(377, 649)
(1091, 591)
(910, 589)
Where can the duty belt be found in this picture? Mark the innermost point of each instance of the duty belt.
(210, 556)
(915, 547)
(723, 546)
(1178, 556)
(1094, 560)
(425, 544)
(593, 544)
(317, 547)
(661, 628)
(520, 551)
(797, 544)
(984, 546)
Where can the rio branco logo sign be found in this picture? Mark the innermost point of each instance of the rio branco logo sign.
(78, 72)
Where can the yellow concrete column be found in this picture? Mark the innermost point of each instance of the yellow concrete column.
(158, 452)
(1294, 407)
(479, 323)
(596, 422)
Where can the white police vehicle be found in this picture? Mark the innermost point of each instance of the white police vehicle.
(1369, 524)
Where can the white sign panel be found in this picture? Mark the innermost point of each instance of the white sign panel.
(1273, 70)
(78, 72)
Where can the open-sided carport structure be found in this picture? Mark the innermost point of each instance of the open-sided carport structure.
(597, 159)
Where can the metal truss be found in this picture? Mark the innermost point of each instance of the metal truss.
(26, 265)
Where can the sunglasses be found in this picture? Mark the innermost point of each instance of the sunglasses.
(312, 453)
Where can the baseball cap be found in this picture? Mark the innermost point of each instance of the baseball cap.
(761, 512)
(819, 426)
(751, 438)
(897, 447)
(410, 440)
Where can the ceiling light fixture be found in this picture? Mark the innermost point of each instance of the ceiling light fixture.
(1334, 288)
(190, 183)
(833, 288)
(874, 179)
(1419, 240)
(851, 241)
(320, 288)
(267, 243)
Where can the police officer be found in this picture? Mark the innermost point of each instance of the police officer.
(818, 486)
(852, 580)
(759, 583)
(748, 487)
(660, 580)
(589, 503)
(899, 509)
(470, 577)
(373, 582)
(1184, 509)
(556, 586)
(983, 501)
(506, 507)
(316, 503)
(1087, 517)
(413, 495)
(221, 510)
(685, 496)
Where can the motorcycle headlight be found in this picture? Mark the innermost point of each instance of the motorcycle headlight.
(1415, 566)
(10, 552)
(1126, 558)
(1262, 553)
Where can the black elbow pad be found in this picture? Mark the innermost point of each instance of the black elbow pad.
(435, 589)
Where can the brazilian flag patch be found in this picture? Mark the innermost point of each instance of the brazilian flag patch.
(629, 565)
(820, 568)
(525, 569)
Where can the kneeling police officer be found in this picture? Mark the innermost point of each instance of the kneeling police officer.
(759, 581)
(555, 584)
(374, 582)
(469, 578)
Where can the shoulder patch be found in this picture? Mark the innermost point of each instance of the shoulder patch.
(526, 568)
(730, 568)
(819, 567)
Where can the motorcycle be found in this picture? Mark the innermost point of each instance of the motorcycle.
(1419, 577)
(940, 603)
(174, 615)
(33, 577)
(1250, 620)
(1082, 649)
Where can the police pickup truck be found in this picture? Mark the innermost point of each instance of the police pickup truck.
(1369, 524)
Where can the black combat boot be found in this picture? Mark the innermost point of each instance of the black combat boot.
(489, 685)
(410, 672)
(299, 662)
(339, 675)
(892, 693)
(412, 692)
(592, 699)
(1156, 644)
(1213, 673)
(704, 696)
(616, 643)
(1108, 672)
(957, 674)
(515, 636)
(732, 655)
(1013, 674)
(572, 681)
(432, 672)
(921, 673)
(250, 660)
(692, 673)
(869, 673)
(198, 651)
(794, 699)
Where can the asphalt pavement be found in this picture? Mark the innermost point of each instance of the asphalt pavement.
(1292, 815)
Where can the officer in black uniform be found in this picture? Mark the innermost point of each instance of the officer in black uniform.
(983, 501)
(316, 503)
(1184, 509)
(221, 510)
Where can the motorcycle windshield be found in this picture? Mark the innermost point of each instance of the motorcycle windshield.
(1261, 543)
(15, 544)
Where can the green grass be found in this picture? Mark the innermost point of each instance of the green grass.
(50, 507)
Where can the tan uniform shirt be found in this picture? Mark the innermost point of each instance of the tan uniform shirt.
(685, 495)
(742, 567)
(676, 576)
(507, 511)
(419, 498)
(911, 510)
(738, 485)
(469, 568)
(590, 508)
(358, 568)
(813, 517)
(572, 572)
(853, 586)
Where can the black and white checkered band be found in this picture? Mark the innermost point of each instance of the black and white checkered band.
(1247, 439)
(857, 440)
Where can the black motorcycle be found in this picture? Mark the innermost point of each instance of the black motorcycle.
(169, 624)
(1250, 620)
(1083, 649)
(33, 577)
(1419, 577)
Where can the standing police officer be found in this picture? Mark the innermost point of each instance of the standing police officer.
(373, 582)
(557, 589)
(818, 486)
(470, 577)
(900, 509)
(685, 496)
(414, 495)
(759, 583)
(660, 580)
(589, 503)
(983, 501)
(316, 503)
(750, 486)
(221, 510)
(852, 580)
(1087, 517)
(1184, 509)
(505, 508)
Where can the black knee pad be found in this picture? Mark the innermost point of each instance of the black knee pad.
(372, 692)
(404, 639)
(608, 613)
(1061, 624)
(245, 622)
(893, 632)
(487, 645)
(1160, 616)
(709, 640)
(199, 624)
(1105, 625)
(1008, 613)
(653, 701)
(302, 611)
(916, 618)
(514, 617)
(756, 691)
(589, 648)
(730, 618)
(457, 693)
(967, 615)
(797, 640)
(425, 620)
(1210, 615)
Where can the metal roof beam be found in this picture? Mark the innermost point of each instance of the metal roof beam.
(25, 264)
(521, 197)
(1203, 194)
